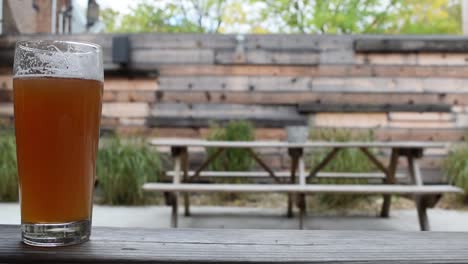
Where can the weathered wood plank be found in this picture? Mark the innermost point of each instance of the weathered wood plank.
(182, 41)
(125, 84)
(181, 142)
(119, 110)
(320, 84)
(422, 124)
(411, 44)
(299, 42)
(268, 57)
(286, 97)
(151, 58)
(282, 174)
(415, 117)
(344, 119)
(128, 96)
(415, 59)
(311, 188)
(112, 245)
(203, 114)
(346, 108)
(423, 134)
(322, 70)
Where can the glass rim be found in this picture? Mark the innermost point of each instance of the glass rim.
(93, 47)
(50, 57)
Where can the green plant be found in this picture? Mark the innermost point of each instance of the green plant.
(122, 167)
(455, 167)
(232, 159)
(8, 171)
(346, 160)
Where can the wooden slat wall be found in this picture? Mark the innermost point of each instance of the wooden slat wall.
(174, 84)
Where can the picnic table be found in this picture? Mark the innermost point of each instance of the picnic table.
(123, 245)
(298, 181)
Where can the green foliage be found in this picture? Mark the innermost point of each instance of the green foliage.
(8, 169)
(455, 167)
(167, 17)
(364, 16)
(122, 167)
(289, 16)
(232, 159)
(346, 160)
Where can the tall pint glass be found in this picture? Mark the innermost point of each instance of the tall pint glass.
(57, 87)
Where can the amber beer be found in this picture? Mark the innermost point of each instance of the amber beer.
(57, 88)
(57, 132)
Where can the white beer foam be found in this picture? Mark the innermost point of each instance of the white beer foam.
(58, 59)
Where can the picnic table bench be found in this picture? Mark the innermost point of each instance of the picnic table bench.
(124, 245)
(296, 181)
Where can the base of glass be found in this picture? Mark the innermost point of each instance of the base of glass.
(56, 235)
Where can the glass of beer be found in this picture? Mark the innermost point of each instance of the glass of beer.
(57, 87)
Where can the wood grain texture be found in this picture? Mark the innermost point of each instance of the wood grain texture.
(196, 115)
(411, 44)
(315, 84)
(311, 188)
(283, 174)
(183, 142)
(297, 97)
(324, 70)
(120, 245)
(371, 107)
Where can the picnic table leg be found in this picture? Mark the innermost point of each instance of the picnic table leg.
(293, 153)
(302, 211)
(177, 155)
(302, 200)
(390, 179)
(175, 209)
(420, 200)
(184, 160)
(422, 213)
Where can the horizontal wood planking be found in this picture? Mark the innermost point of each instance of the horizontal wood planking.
(151, 58)
(418, 117)
(371, 108)
(368, 120)
(422, 124)
(268, 57)
(193, 115)
(322, 70)
(417, 59)
(319, 84)
(124, 110)
(136, 245)
(424, 134)
(284, 97)
(126, 84)
(411, 44)
(299, 42)
(182, 41)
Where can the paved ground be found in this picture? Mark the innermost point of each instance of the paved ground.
(234, 217)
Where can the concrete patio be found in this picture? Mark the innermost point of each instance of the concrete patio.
(256, 218)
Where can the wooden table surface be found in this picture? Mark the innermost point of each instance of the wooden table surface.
(121, 245)
(184, 142)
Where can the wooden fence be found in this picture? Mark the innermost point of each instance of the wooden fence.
(403, 87)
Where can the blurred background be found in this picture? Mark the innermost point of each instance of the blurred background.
(384, 70)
